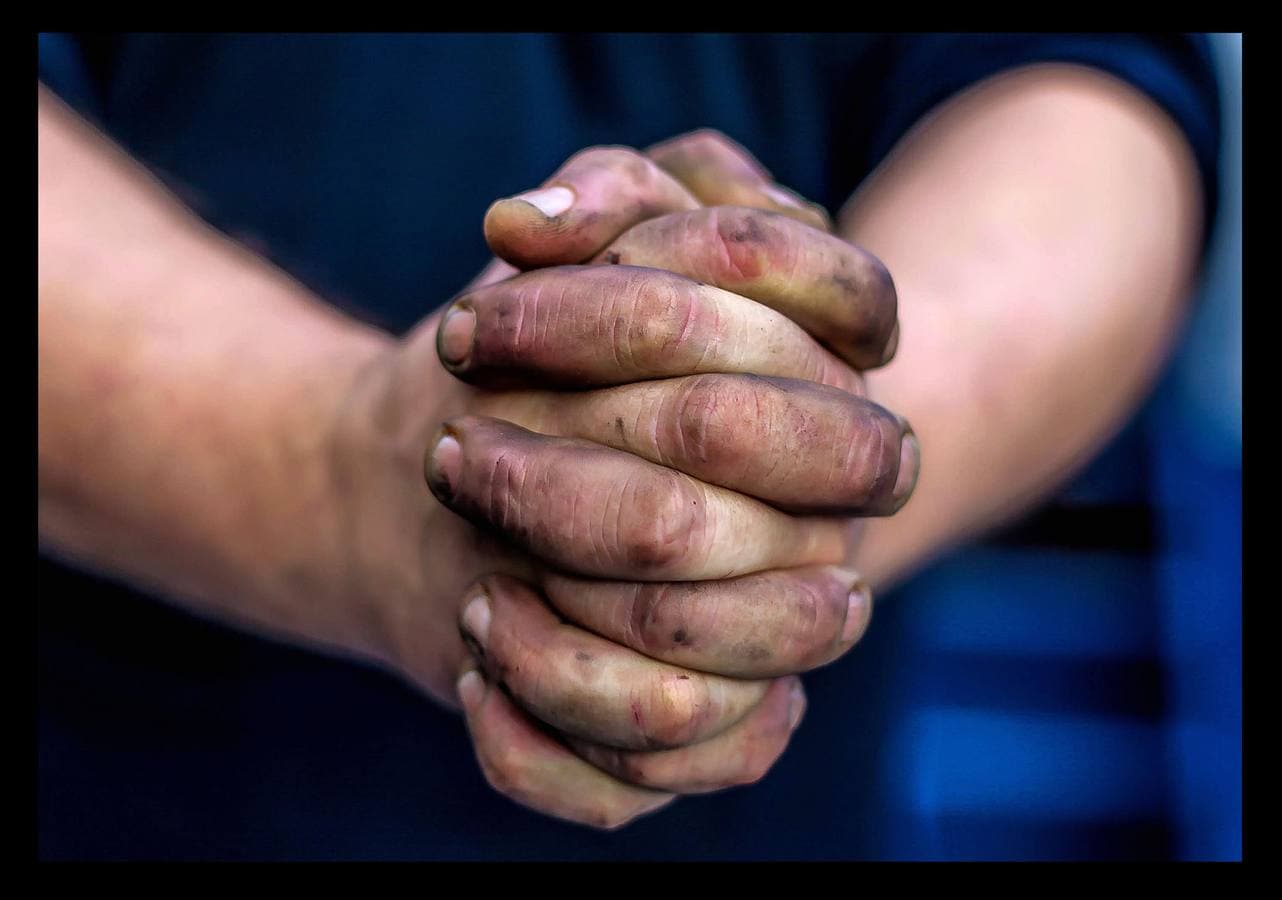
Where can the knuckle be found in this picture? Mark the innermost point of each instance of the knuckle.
(662, 521)
(711, 150)
(710, 140)
(887, 461)
(505, 319)
(825, 369)
(703, 405)
(745, 243)
(719, 420)
(678, 707)
(600, 155)
(620, 161)
(873, 460)
(707, 146)
(646, 618)
(497, 492)
(668, 323)
(531, 320)
(813, 623)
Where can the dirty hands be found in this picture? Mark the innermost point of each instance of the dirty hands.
(657, 434)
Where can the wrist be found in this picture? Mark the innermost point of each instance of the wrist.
(379, 512)
(295, 555)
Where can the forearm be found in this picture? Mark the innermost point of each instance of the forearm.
(1042, 232)
(185, 392)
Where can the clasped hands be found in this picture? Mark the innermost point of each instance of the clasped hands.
(648, 450)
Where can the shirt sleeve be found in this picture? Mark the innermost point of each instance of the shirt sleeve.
(1176, 71)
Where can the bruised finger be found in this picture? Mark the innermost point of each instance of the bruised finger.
(741, 755)
(600, 512)
(586, 686)
(840, 294)
(755, 626)
(596, 196)
(524, 763)
(583, 326)
(803, 447)
(720, 172)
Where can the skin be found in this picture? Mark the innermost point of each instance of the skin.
(1094, 341)
(1074, 207)
(361, 579)
(610, 700)
(129, 482)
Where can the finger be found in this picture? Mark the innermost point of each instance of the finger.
(580, 326)
(720, 172)
(803, 447)
(586, 686)
(599, 512)
(755, 626)
(741, 755)
(831, 288)
(596, 196)
(527, 765)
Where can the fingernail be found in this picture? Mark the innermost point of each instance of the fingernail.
(858, 612)
(782, 196)
(909, 468)
(550, 201)
(476, 619)
(471, 689)
(444, 465)
(796, 705)
(456, 335)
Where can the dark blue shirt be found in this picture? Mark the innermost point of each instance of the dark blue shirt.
(1000, 707)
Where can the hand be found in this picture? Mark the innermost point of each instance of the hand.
(275, 481)
(480, 347)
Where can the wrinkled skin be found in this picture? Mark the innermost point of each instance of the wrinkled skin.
(644, 471)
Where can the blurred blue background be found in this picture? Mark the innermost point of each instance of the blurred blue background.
(1097, 699)
(1068, 688)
